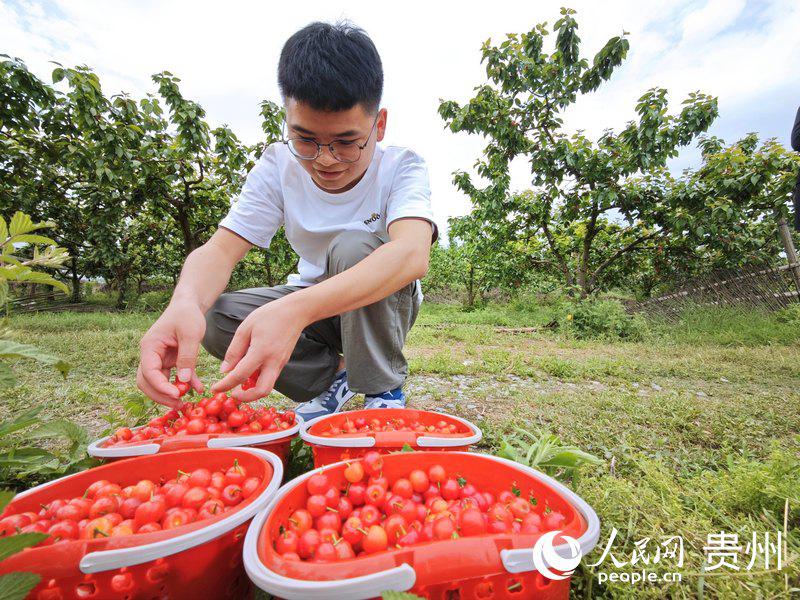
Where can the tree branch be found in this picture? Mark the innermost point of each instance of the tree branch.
(603, 265)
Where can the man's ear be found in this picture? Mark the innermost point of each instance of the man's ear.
(380, 126)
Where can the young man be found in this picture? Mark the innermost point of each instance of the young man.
(358, 215)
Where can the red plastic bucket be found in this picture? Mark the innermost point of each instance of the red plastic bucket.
(484, 567)
(277, 442)
(328, 449)
(199, 560)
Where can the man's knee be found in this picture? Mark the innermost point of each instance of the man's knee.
(349, 248)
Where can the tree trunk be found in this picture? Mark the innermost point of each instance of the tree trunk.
(471, 288)
(122, 286)
(189, 240)
(76, 281)
(791, 253)
(582, 280)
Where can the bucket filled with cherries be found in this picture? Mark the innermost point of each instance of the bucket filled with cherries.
(218, 421)
(161, 526)
(346, 435)
(433, 523)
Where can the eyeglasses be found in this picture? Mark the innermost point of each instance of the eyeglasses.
(342, 150)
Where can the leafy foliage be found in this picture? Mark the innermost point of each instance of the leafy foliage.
(20, 253)
(576, 182)
(134, 184)
(22, 461)
(544, 451)
(301, 459)
(604, 319)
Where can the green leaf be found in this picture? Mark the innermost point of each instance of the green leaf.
(16, 543)
(29, 460)
(44, 279)
(508, 451)
(20, 224)
(399, 596)
(406, 448)
(22, 421)
(32, 238)
(62, 429)
(7, 378)
(11, 349)
(17, 585)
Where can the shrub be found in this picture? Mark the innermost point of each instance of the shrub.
(604, 319)
(790, 315)
(155, 301)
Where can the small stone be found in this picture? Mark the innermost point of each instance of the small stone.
(467, 362)
(635, 385)
(449, 405)
(723, 380)
(472, 406)
(656, 387)
(701, 394)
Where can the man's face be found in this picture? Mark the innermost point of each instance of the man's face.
(324, 127)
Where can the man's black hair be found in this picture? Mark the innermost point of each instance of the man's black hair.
(331, 68)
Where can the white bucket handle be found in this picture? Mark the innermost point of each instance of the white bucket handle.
(99, 450)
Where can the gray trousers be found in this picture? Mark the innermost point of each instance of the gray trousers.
(370, 338)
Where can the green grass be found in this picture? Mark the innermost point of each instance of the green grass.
(698, 423)
(730, 327)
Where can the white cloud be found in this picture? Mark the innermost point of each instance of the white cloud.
(711, 19)
(226, 55)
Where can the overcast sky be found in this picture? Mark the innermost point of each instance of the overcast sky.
(746, 52)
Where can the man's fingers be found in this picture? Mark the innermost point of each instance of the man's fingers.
(264, 385)
(152, 373)
(151, 392)
(196, 384)
(238, 375)
(236, 350)
(188, 348)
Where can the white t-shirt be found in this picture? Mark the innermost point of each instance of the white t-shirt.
(278, 191)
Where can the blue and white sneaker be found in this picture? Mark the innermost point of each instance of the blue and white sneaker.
(391, 399)
(328, 402)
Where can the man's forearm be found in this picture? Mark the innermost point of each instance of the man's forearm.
(204, 276)
(389, 268)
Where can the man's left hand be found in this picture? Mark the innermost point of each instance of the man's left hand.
(263, 341)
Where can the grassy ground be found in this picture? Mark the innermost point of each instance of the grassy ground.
(698, 424)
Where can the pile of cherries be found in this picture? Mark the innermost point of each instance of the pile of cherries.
(363, 425)
(107, 509)
(217, 414)
(373, 514)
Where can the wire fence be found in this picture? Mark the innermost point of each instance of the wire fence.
(766, 288)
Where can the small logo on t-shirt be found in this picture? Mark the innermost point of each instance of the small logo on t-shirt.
(373, 217)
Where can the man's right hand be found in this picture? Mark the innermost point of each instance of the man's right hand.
(172, 341)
